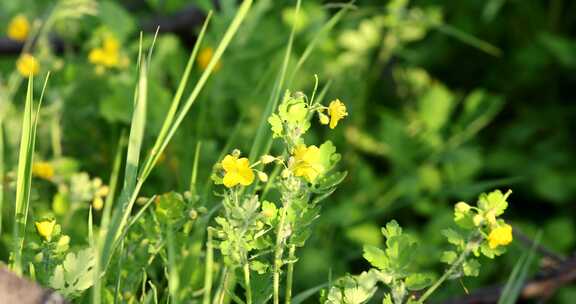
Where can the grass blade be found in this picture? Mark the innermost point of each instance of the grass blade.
(24, 178)
(263, 131)
(518, 276)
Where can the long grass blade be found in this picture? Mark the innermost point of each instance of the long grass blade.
(272, 102)
(24, 179)
(518, 276)
(1, 173)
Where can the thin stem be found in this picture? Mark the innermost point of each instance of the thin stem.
(248, 287)
(56, 137)
(222, 289)
(208, 270)
(290, 274)
(446, 274)
(278, 255)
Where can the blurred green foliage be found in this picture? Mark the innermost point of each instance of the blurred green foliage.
(445, 100)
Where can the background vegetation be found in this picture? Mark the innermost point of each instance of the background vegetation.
(446, 99)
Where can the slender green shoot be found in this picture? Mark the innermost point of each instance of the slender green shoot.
(24, 178)
(209, 265)
(515, 282)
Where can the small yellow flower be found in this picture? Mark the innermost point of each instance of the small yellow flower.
(27, 65)
(204, 58)
(307, 162)
(97, 203)
(337, 111)
(45, 228)
(237, 171)
(108, 55)
(500, 236)
(19, 28)
(43, 170)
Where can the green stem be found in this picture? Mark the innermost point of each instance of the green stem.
(247, 282)
(290, 274)
(222, 289)
(278, 255)
(208, 270)
(446, 274)
(56, 136)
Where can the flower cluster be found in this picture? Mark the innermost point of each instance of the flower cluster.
(108, 55)
(244, 232)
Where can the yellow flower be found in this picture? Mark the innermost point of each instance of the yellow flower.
(45, 228)
(27, 65)
(43, 170)
(500, 236)
(204, 58)
(97, 203)
(307, 162)
(237, 171)
(108, 55)
(18, 28)
(337, 111)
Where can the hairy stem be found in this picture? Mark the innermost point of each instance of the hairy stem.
(446, 274)
(247, 283)
(290, 274)
(222, 289)
(208, 269)
(278, 255)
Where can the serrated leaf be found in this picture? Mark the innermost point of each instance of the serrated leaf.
(418, 281)
(376, 257)
(392, 229)
(453, 237)
(276, 125)
(448, 257)
(471, 268)
(75, 274)
(495, 202)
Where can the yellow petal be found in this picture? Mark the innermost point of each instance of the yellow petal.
(231, 179)
(229, 163)
(337, 111)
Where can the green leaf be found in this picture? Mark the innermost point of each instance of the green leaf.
(491, 252)
(449, 257)
(463, 215)
(376, 257)
(471, 267)
(392, 229)
(418, 281)
(435, 107)
(494, 202)
(454, 237)
(75, 274)
(170, 207)
(328, 155)
(276, 125)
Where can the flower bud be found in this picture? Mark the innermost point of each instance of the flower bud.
(263, 177)
(266, 159)
(324, 119)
